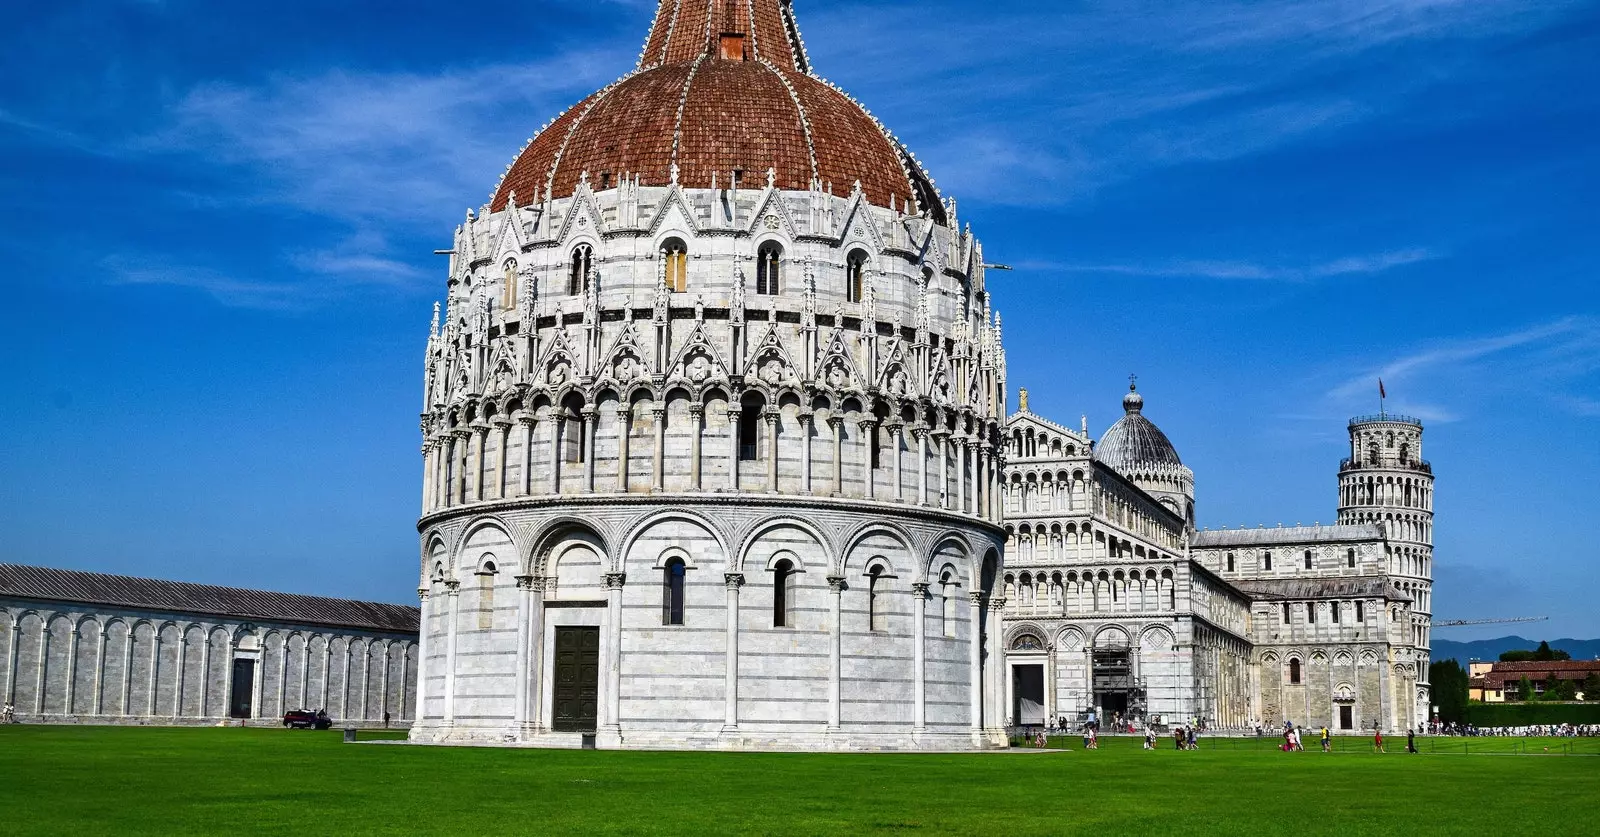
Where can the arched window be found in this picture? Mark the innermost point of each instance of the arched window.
(1230, 562)
(1294, 672)
(1405, 454)
(582, 261)
(1372, 454)
(1266, 560)
(675, 255)
(855, 270)
(768, 262)
(672, 577)
(1350, 557)
(508, 294)
(782, 574)
(1308, 559)
(876, 617)
(750, 430)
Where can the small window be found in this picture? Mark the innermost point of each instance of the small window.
(768, 264)
(876, 617)
(1266, 560)
(749, 432)
(1230, 562)
(1285, 613)
(572, 446)
(855, 271)
(1350, 558)
(1172, 598)
(1311, 613)
(508, 295)
(578, 279)
(1308, 559)
(672, 577)
(1294, 672)
(675, 255)
(1336, 608)
(781, 576)
(1361, 615)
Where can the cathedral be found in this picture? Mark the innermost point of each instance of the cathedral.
(1118, 607)
(716, 454)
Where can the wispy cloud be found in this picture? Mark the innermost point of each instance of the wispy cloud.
(1361, 265)
(1549, 358)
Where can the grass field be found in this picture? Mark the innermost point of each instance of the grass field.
(89, 780)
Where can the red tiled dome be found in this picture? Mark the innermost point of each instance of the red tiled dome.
(721, 87)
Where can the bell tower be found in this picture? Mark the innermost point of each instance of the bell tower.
(1386, 481)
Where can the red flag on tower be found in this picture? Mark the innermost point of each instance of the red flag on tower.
(1381, 393)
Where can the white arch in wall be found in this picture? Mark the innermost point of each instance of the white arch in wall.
(750, 539)
(867, 530)
(649, 521)
(478, 524)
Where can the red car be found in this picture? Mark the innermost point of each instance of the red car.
(306, 719)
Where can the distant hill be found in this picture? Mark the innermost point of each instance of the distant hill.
(1490, 649)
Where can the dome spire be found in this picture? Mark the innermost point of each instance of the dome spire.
(1133, 402)
(734, 30)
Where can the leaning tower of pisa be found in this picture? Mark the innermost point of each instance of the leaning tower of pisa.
(1386, 481)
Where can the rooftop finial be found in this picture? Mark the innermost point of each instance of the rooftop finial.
(1133, 402)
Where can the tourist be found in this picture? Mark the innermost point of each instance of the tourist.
(1326, 742)
(1294, 739)
(1377, 739)
(8, 714)
(1192, 744)
(1149, 738)
(385, 720)
(1411, 740)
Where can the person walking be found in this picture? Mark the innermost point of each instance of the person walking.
(1411, 740)
(1377, 739)
(1193, 744)
(1326, 742)
(386, 720)
(1149, 738)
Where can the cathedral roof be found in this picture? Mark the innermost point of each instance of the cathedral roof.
(720, 87)
(50, 584)
(1134, 444)
(1349, 587)
(1341, 533)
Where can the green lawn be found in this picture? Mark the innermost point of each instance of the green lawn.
(88, 780)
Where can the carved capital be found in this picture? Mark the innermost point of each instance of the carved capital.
(733, 581)
(919, 589)
(696, 409)
(614, 581)
(525, 582)
(836, 422)
(422, 594)
(836, 583)
(452, 587)
(976, 597)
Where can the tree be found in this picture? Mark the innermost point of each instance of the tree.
(1518, 656)
(1449, 681)
(1591, 686)
(1525, 689)
(1555, 689)
(1544, 654)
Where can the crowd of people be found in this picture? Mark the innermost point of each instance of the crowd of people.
(1529, 731)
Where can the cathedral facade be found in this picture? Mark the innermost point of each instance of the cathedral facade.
(712, 425)
(1118, 606)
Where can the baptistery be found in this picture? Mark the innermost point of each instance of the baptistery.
(711, 425)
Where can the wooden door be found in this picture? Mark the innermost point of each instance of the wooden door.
(577, 675)
(244, 686)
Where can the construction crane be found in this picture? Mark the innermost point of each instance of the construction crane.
(1457, 623)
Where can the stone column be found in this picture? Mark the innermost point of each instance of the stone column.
(383, 680)
(624, 419)
(868, 436)
(838, 454)
(427, 476)
(1050, 710)
(919, 595)
(39, 672)
(452, 592)
(127, 678)
(896, 434)
(181, 675)
(835, 631)
(423, 605)
(458, 474)
(733, 449)
(72, 669)
(590, 424)
(327, 670)
(658, 479)
(806, 420)
(535, 710)
(480, 447)
(524, 605)
(502, 457)
(998, 714)
(771, 417)
(558, 425)
(155, 661)
(526, 477)
(697, 415)
(612, 726)
(11, 662)
(973, 476)
(975, 664)
(100, 670)
(730, 722)
(943, 437)
(922, 464)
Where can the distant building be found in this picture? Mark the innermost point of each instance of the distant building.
(79, 647)
(1116, 605)
(1498, 682)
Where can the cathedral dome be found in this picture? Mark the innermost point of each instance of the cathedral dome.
(1134, 444)
(720, 88)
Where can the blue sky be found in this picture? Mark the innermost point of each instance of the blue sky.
(218, 222)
